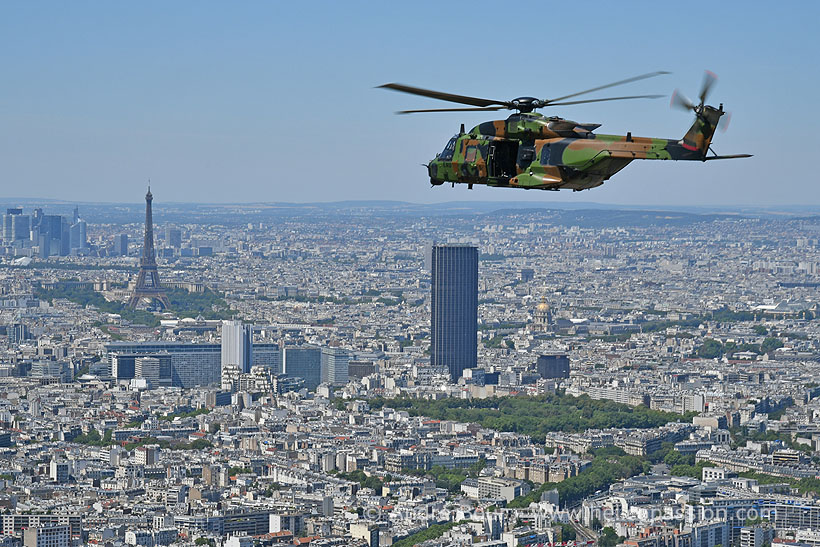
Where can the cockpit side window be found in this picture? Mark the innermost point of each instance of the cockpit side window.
(449, 150)
(470, 155)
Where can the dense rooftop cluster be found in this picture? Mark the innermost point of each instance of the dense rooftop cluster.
(687, 416)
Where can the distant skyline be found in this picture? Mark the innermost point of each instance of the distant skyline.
(275, 102)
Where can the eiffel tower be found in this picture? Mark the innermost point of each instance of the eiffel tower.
(148, 286)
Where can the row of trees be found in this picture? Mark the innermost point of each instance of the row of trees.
(723, 315)
(534, 416)
(365, 481)
(608, 466)
(680, 465)
(90, 297)
(209, 304)
(741, 435)
(93, 438)
(190, 414)
(610, 538)
(711, 348)
(432, 532)
(805, 486)
(449, 479)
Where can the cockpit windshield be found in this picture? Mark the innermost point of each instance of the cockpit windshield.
(449, 150)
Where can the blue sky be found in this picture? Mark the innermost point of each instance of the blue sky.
(275, 101)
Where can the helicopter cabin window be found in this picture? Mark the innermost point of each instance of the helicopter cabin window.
(470, 155)
(526, 154)
(545, 155)
(449, 150)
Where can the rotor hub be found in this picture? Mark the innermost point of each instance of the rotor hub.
(526, 104)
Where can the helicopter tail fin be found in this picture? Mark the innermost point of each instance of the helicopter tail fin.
(699, 136)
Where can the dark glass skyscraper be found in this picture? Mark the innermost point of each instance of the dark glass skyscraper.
(454, 307)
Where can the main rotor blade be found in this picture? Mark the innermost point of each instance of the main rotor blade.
(563, 103)
(613, 84)
(462, 99)
(709, 80)
(482, 109)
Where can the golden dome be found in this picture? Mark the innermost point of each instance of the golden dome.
(543, 306)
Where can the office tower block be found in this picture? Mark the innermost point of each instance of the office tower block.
(78, 235)
(155, 369)
(335, 366)
(123, 367)
(16, 226)
(359, 369)
(51, 369)
(303, 362)
(50, 234)
(147, 368)
(36, 217)
(65, 237)
(8, 220)
(18, 332)
(428, 256)
(20, 228)
(454, 308)
(55, 230)
(237, 343)
(173, 237)
(267, 356)
(44, 246)
(121, 244)
(148, 285)
(50, 225)
(190, 365)
(553, 366)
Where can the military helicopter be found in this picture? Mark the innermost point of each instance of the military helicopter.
(532, 151)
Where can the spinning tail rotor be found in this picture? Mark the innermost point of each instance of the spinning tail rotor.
(709, 118)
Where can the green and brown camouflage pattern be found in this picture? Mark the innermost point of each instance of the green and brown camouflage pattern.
(531, 151)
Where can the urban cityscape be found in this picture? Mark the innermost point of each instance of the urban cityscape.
(384, 373)
(409, 274)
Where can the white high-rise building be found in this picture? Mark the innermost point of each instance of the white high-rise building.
(237, 341)
(148, 368)
(77, 235)
(335, 366)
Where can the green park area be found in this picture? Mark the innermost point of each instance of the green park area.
(207, 304)
(534, 416)
(537, 416)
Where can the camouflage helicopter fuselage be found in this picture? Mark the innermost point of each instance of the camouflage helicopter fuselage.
(531, 151)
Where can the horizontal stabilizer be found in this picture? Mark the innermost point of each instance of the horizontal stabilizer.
(729, 157)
